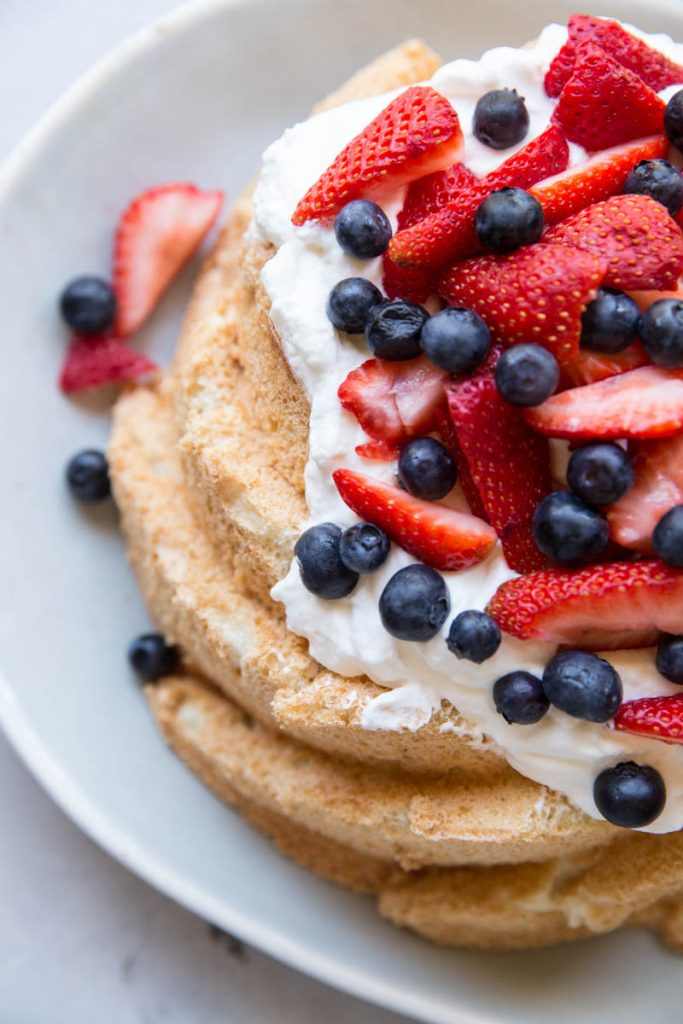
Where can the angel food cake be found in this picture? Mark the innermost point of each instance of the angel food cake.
(409, 502)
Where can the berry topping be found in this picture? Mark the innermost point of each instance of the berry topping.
(657, 718)
(363, 547)
(320, 565)
(92, 361)
(527, 374)
(500, 118)
(582, 685)
(669, 659)
(667, 537)
(473, 635)
(630, 795)
(151, 657)
(673, 119)
(568, 531)
(351, 302)
(508, 219)
(600, 473)
(455, 339)
(519, 698)
(88, 305)
(610, 322)
(414, 604)
(657, 487)
(661, 331)
(362, 229)
(426, 470)
(438, 536)
(659, 180)
(590, 367)
(158, 233)
(87, 475)
(393, 330)
(416, 134)
(601, 607)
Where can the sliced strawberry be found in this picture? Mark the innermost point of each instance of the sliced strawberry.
(438, 536)
(378, 451)
(653, 67)
(641, 245)
(157, 234)
(590, 367)
(603, 104)
(94, 360)
(535, 294)
(655, 718)
(416, 134)
(448, 234)
(446, 431)
(414, 284)
(601, 607)
(642, 403)
(598, 178)
(657, 487)
(646, 297)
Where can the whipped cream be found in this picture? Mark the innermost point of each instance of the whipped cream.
(347, 635)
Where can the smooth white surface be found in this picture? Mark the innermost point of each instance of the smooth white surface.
(202, 104)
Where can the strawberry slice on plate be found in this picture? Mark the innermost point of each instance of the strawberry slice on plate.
(589, 367)
(657, 487)
(655, 718)
(158, 233)
(599, 608)
(416, 134)
(438, 536)
(92, 361)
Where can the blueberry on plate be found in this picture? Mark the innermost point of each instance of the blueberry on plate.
(473, 635)
(610, 322)
(673, 120)
(600, 473)
(88, 305)
(394, 328)
(669, 658)
(87, 475)
(519, 698)
(667, 537)
(351, 302)
(508, 219)
(659, 180)
(661, 331)
(426, 469)
(500, 118)
(630, 795)
(583, 685)
(527, 374)
(362, 229)
(415, 603)
(363, 547)
(152, 657)
(455, 339)
(567, 530)
(320, 565)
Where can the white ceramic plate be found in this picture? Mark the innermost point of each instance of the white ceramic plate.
(198, 96)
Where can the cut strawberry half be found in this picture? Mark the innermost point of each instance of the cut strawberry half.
(590, 367)
(378, 451)
(535, 294)
(157, 234)
(600, 177)
(438, 536)
(94, 360)
(657, 487)
(635, 237)
(416, 134)
(601, 607)
(654, 718)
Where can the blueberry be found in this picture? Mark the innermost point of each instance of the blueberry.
(393, 330)
(363, 547)
(610, 322)
(152, 657)
(519, 698)
(426, 469)
(667, 537)
(455, 339)
(661, 331)
(500, 118)
(473, 635)
(673, 119)
(362, 229)
(669, 660)
(351, 303)
(630, 795)
(567, 530)
(583, 685)
(88, 304)
(508, 219)
(527, 374)
(415, 603)
(320, 565)
(659, 180)
(600, 472)
(87, 475)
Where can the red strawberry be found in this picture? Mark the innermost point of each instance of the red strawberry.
(655, 718)
(647, 297)
(601, 607)
(590, 367)
(448, 234)
(634, 236)
(92, 361)
(653, 67)
(598, 178)
(158, 232)
(603, 104)
(417, 133)
(535, 294)
(508, 463)
(378, 451)
(394, 401)
(657, 487)
(438, 536)
(642, 403)
(446, 431)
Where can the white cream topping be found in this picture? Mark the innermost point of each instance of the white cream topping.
(347, 636)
